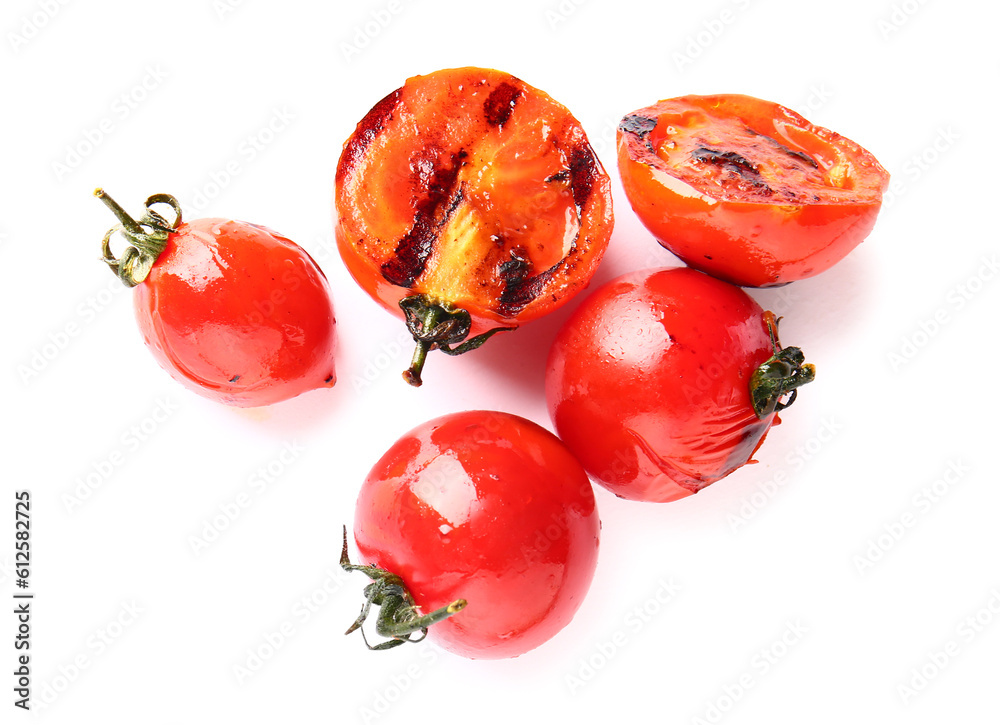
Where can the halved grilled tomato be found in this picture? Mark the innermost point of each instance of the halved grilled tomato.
(747, 190)
(469, 202)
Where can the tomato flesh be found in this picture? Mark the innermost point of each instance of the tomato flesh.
(238, 313)
(747, 190)
(490, 508)
(477, 190)
(648, 382)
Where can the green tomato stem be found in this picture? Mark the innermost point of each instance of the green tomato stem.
(438, 326)
(399, 618)
(147, 237)
(774, 384)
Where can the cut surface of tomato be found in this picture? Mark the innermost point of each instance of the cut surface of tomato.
(747, 190)
(470, 190)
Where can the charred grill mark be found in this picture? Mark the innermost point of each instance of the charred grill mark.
(412, 251)
(410, 256)
(500, 104)
(703, 155)
(801, 156)
(520, 290)
(367, 130)
(456, 199)
(582, 172)
(516, 268)
(733, 162)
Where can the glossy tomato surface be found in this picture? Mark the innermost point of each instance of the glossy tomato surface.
(648, 382)
(238, 314)
(747, 190)
(476, 190)
(490, 508)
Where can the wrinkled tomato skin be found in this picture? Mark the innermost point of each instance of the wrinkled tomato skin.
(238, 314)
(797, 233)
(473, 188)
(487, 507)
(647, 382)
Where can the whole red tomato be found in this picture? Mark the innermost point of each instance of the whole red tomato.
(664, 381)
(747, 190)
(469, 202)
(485, 523)
(231, 310)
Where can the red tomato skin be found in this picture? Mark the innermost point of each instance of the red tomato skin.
(488, 507)
(754, 243)
(238, 314)
(747, 244)
(647, 382)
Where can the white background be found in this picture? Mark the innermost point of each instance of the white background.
(807, 588)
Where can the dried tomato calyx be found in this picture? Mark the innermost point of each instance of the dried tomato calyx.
(399, 617)
(774, 385)
(438, 326)
(147, 237)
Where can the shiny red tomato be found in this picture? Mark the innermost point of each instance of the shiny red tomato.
(664, 381)
(231, 310)
(488, 526)
(747, 190)
(469, 202)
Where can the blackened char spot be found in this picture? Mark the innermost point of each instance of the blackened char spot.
(367, 130)
(638, 125)
(500, 104)
(516, 268)
(731, 161)
(582, 171)
(441, 200)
